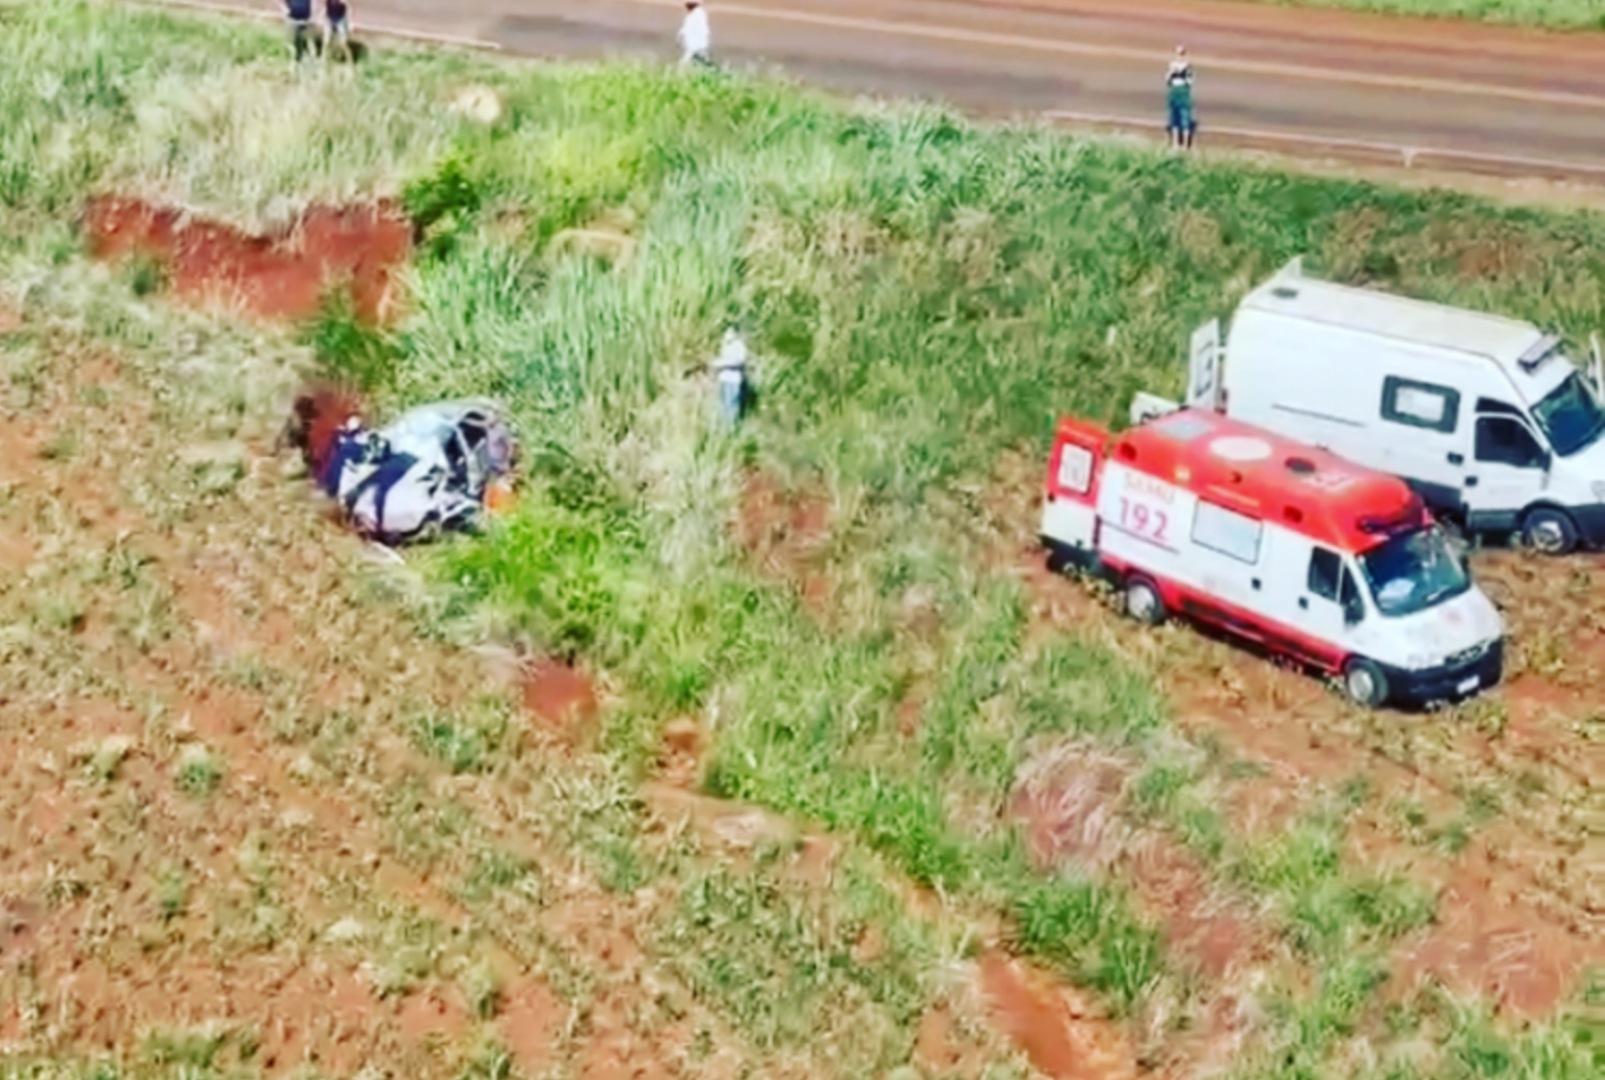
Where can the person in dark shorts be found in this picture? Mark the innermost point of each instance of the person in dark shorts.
(298, 14)
(337, 29)
(1181, 123)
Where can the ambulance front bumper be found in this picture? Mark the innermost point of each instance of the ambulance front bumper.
(1461, 677)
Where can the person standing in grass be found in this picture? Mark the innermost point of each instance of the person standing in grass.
(337, 28)
(1182, 125)
(730, 367)
(696, 38)
(298, 13)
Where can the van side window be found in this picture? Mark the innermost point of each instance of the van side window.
(1228, 532)
(1502, 440)
(1419, 404)
(1326, 571)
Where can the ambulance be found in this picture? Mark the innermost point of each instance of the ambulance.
(1312, 557)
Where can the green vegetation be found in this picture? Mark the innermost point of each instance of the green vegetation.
(925, 296)
(1554, 14)
(1551, 14)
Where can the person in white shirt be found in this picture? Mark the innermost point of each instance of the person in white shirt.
(696, 39)
(1181, 122)
(730, 367)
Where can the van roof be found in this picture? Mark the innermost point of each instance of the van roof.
(1471, 332)
(1261, 474)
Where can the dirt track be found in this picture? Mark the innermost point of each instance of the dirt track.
(1436, 95)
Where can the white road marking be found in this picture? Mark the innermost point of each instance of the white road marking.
(936, 32)
(1409, 154)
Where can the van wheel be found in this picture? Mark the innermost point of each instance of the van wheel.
(1144, 603)
(1365, 683)
(1549, 532)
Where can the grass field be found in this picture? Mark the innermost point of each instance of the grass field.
(1550, 14)
(864, 777)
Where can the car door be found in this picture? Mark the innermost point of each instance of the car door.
(1508, 471)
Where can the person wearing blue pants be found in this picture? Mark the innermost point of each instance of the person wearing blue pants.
(730, 366)
(298, 14)
(1181, 124)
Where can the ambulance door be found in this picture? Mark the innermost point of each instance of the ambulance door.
(1069, 513)
(1329, 608)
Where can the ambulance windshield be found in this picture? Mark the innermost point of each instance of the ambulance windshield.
(1414, 571)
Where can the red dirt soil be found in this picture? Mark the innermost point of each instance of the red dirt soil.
(558, 694)
(1059, 1033)
(280, 276)
(785, 533)
(1069, 806)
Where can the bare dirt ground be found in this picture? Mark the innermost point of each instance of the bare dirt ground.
(281, 276)
(253, 817)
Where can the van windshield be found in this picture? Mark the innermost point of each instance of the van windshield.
(1570, 416)
(1414, 571)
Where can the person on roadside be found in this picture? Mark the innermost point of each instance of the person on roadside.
(337, 29)
(696, 37)
(298, 14)
(1181, 124)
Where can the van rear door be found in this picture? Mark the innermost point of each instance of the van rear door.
(1205, 390)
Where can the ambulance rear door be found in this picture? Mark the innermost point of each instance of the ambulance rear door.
(1069, 512)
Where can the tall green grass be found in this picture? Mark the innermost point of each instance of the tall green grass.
(925, 297)
(1551, 14)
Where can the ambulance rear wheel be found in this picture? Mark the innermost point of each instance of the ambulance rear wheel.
(1144, 603)
(1365, 683)
(1549, 532)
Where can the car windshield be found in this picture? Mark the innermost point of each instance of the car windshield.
(1570, 416)
(1413, 571)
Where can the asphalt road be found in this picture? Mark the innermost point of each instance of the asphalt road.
(1440, 95)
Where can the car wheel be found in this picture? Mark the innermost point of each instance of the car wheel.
(1549, 532)
(1144, 603)
(1365, 683)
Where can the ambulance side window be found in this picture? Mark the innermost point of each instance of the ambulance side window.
(1228, 532)
(1326, 574)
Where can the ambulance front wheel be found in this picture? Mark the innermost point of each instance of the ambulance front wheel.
(1365, 683)
(1143, 601)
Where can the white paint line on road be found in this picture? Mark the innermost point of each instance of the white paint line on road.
(222, 7)
(1408, 154)
(965, 36)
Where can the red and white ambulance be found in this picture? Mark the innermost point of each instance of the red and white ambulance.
(1313, 557)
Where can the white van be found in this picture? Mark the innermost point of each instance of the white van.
(1485, 416)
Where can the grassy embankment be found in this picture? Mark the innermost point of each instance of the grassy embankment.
(1550, 14)
(926, 297)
